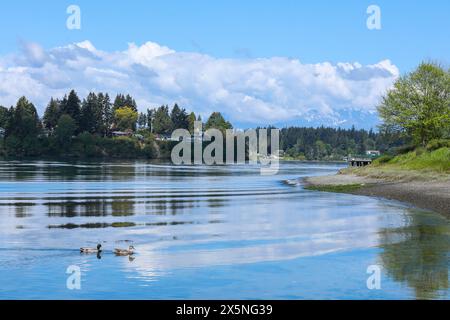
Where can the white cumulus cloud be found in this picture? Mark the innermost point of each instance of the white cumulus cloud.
(258, 91)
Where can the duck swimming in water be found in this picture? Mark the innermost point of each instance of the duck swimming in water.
(92, 250)
(124, 252)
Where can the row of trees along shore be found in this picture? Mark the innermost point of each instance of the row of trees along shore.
(94, 127)
(415, 112)
(86, 128)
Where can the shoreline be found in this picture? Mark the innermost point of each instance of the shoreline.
(431, 195)
(314, 161)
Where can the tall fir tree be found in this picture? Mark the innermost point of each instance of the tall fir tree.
(124, 101)
(107, 114)
(217, 121)
(22, 130)
(90, 116)
(191, 121)
(150, 118)
(162, 123)
(52, 114)
(71, 105)
(179, 118)
(142, 120)
(24, 120)
(4, 117)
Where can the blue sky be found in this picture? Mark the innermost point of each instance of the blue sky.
(310, 32)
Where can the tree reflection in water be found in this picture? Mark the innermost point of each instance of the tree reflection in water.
(417, 254)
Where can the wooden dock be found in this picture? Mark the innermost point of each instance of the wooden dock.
(359, 161)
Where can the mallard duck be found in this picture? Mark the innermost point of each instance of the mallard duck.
(125, 252)
(92, 250)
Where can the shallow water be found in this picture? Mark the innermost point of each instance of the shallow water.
(209, 232)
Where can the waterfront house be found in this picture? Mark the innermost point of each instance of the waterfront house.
(373, 153)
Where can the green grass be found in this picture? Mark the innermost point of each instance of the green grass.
(418, 165)
(343, 188)
(419, 159)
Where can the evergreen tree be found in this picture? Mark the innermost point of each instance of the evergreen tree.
(131, 103)
(65, 130)
(24, 120)
(52, 114)
(142, 120)
(71, 106)
(91, 114)
(22, 129)
(150, 118)
(124, 101)
(107, 114)
(179, 118)
(119, 102)
(217, 121)
(4, 117)
(162, 123)
(191, 120)
(199, 119)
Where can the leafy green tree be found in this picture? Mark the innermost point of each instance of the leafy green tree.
(52, 114)
(419, 104)
(64, 131)
(149, 150)
(162, 123)
(86, 144)
(217, 121)
(322, 150)
(126, 118)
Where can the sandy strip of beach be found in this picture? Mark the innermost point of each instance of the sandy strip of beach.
(429, 195)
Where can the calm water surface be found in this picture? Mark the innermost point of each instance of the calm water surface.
(209, 232)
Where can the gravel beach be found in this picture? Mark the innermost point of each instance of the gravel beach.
(430, 195)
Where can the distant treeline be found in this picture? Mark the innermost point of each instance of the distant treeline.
(97, 127)
(334, 143)
(415, 114)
